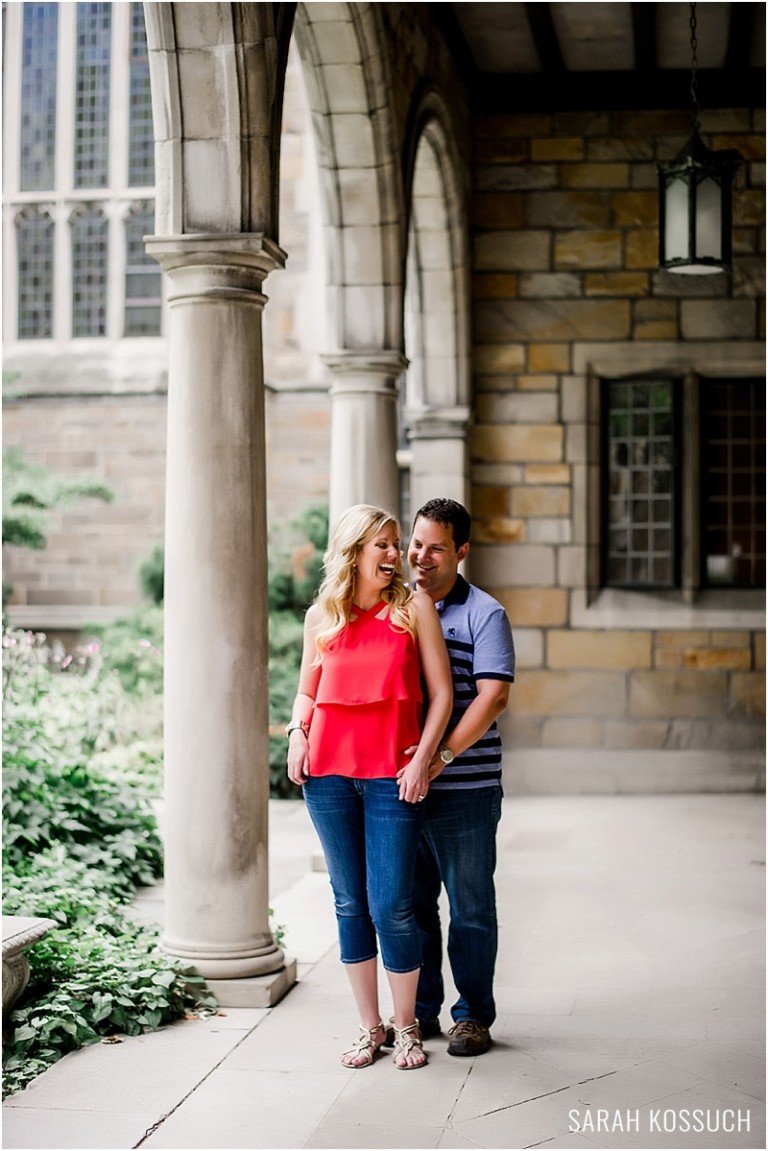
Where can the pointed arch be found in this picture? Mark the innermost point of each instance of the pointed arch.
(436, 406)
(349, 89)
(438, 262)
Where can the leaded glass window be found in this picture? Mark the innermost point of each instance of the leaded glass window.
(94, 27)
(141, 154)
(38, 97)
(35, 254)
(89, 273)
(733, 482)
(641, 491)
(142, 276)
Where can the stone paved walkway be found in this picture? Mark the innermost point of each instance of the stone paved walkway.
(630, 993)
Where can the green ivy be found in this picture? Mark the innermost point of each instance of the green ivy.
(80, 833)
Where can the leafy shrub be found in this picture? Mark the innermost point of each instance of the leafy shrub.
(105, 978)
(30, 493)
(285, 642)
(152, 575)
(80, 833)
(133, 647)
(296, 559)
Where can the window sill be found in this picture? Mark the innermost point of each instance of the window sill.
(718, 609)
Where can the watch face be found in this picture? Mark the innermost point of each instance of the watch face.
(446, 755)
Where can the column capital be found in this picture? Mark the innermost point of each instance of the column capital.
(448, 423)
(365, 370)
(249, 256)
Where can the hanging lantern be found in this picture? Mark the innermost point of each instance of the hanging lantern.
(695, 200)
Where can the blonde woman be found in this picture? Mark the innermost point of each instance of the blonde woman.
(369, 642)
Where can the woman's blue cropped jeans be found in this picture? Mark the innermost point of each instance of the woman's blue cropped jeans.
(370, 839)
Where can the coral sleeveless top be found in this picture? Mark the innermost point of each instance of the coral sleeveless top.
(368, 707)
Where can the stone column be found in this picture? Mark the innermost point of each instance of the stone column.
(364, 429)
(216, 677)
(439, 467)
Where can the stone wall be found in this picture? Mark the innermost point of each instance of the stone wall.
(95, 549)
(566, 284)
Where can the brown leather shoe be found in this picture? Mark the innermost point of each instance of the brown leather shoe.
(468, 1038)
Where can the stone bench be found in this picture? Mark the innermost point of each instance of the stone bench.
(19, 933)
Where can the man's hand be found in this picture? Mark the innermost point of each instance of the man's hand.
(435, 767)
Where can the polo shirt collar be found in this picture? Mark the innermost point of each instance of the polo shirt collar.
(458, 594)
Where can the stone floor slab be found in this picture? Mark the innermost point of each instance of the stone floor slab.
(234, 1109)
(331, 1133)
(51, 1128)
(630, 976)
(717, 1064)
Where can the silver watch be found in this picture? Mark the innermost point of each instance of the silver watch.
(446, 755)
(296, 725)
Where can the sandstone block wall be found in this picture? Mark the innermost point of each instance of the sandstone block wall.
(564, 251)
(94, 549)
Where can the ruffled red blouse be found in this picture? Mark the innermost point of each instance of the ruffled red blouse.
(368, 707)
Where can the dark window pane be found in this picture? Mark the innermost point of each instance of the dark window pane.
(94, 30)
(733, 482)
(662, 423)
(141, 150)
(89, 273)
(142, 276)
(35, 253)
(639, 417)
(639, 395)
(38, 97)
(640, 424)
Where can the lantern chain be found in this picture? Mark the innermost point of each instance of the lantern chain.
(694, 67)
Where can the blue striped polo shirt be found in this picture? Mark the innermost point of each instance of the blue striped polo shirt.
(480, 646)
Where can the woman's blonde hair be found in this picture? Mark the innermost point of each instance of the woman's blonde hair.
(354, 529)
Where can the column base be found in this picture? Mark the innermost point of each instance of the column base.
(255, 991)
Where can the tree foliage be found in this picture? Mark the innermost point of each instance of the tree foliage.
(31, 492)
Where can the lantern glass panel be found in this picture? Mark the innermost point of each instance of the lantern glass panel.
(708, 236)
(676, 220)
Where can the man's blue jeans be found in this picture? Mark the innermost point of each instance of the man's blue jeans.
(458, 848)
(370, 839)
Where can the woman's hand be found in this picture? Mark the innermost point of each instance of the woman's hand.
(413, 780)
(298, 757)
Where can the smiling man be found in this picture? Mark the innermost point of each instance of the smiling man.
(463, 806)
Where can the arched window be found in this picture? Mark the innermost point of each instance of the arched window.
(141, 145)
(35, 253)
(89, 272)
(38, 97)
(142, 275)
(94, 32)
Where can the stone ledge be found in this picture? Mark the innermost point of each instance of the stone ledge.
(601, 771)
(19, 933)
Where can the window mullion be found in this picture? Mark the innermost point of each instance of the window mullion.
(116, 214)
(119, 99)
(690, 485)
(14, 32)
(65, 100)
(62, 272)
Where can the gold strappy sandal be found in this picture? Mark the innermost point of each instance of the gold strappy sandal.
(408, 1039)
(366, 1046)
